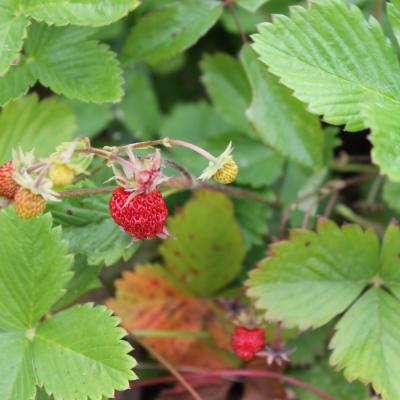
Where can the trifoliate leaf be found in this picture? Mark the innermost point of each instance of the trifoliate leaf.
(82, 344)
(32, 124)
(324, 377)
(75, 343)
(16, 83)
(170, 29)
(279, 119)
(333, 59)
(139, 110)
(79, 12)
(208, 252)
(68, 63)
(17, 377)
(227, 85)
(13, 27)
(366, 344)
(333, 265)
(34, 269)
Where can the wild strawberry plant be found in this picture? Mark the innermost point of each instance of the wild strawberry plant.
(196, 192)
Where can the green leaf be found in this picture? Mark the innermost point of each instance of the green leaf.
(82, 344)
(280, 120)
(79, 12)
(13, 26)
(332, 265)
(251, 5)
(139, 110)
(90, 230)
(253, 219)
(35, 269)
(393, 11)
(29, 123)
(227, 85)
(309, 345)
(208, 252)
(91, 118)
(384, 121)
(323, 377)
(16, 83)
(390, 260)
(367, 345)
(170, 29)
(64, 60)
(74, 343)
(85, 278)
(17, 378)
(248, 20)
(333, 59)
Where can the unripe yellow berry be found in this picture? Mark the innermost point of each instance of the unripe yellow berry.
(227, 173)
(61, 175)
(29, 205)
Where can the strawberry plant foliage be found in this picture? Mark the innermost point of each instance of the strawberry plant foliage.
(336, 265)
(33, 276)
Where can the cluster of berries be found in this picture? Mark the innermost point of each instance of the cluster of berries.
(137, 205)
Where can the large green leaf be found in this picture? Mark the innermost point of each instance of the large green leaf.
(367, 345)
(279, 119)
(13, 27)
(79, 12)
(323, 377)
(208, 252)
(68, 63)
(82, 344)
(170, 29)
(34, 269)
(333, 265)
(32, 124)
(391, 194)
(333, 59)
(227, 85)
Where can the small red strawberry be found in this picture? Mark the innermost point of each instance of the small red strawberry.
(29, 205)
(143, 217)
(8, 186)
(247, 342)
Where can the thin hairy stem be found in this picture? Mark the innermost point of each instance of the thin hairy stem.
(232, 10)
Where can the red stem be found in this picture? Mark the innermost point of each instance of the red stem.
(235, 372)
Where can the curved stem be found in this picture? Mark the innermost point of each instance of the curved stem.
(237, 372)
(179, 168)
(194, 148)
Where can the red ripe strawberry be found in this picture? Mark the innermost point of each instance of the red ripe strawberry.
(247, 342)
(143, 217)
(8, 186)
